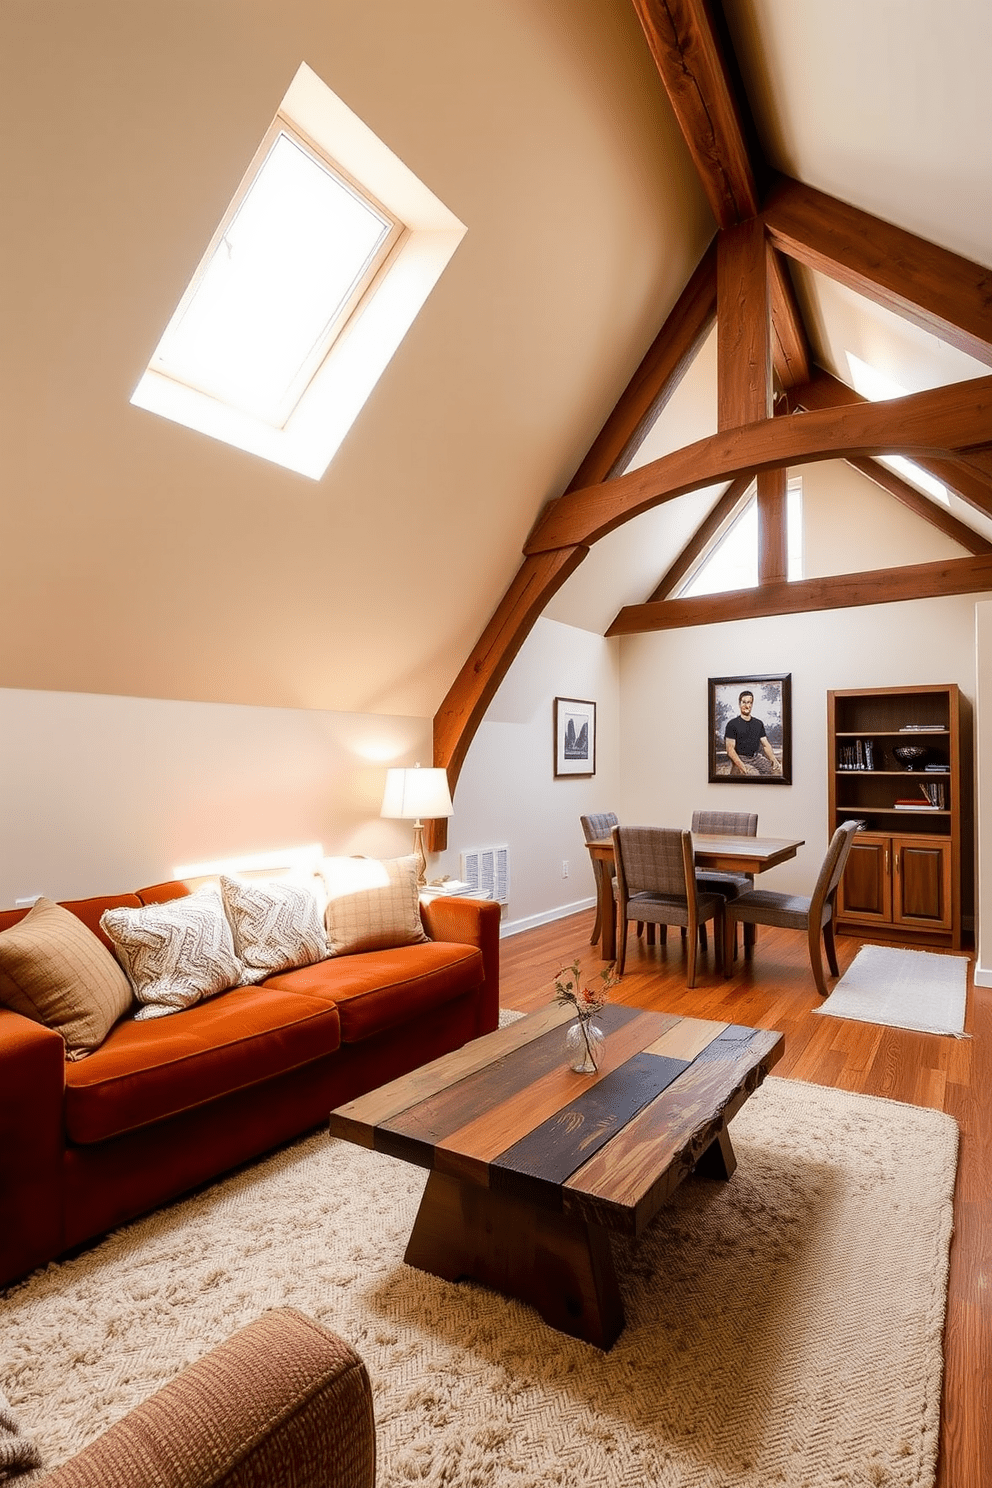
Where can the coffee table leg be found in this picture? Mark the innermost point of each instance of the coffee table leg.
(719, 1160)
(561, 1266)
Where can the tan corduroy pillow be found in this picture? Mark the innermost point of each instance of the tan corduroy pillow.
(55, 970)
(372, 904)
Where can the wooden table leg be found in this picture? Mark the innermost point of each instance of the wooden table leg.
(608, 915)
(719, 1160)
(561, 1266)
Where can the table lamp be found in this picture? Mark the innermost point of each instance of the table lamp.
(411, 795)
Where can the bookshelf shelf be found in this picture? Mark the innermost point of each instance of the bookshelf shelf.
(903, 878)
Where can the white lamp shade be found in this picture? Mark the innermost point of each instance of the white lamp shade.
(412, 795)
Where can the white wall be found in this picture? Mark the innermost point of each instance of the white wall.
(507, 791)
(102, 794)
(664, 707)
(983, 794)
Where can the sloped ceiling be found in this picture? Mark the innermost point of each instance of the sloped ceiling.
(141, 558)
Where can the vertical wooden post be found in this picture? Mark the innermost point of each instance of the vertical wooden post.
(773, 539)
(744, 359)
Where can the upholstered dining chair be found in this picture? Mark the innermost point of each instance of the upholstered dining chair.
(596, 828)
(656, 884)
(814, 914)
(736, 824)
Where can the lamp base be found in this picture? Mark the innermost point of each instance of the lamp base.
(419, 854)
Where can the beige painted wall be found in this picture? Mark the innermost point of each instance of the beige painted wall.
(664, 707)
(100, 794)
(507, 792)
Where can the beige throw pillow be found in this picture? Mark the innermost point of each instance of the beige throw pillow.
(276, 925)
(175, 953)
(55, 970)
(372, 904)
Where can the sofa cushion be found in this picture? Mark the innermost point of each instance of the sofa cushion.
(175, 953)
(55, 970)
(372, 904)
(147, 1071)
(276, 925)
(378, 990)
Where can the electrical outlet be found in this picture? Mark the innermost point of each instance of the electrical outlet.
(564, 867)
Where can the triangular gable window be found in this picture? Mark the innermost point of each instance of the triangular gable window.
(732, 561)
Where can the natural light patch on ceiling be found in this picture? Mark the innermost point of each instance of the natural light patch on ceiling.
(732, 562)
(321, 263)
(876, 387)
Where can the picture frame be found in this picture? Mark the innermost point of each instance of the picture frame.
(771, 706)
(575, 737)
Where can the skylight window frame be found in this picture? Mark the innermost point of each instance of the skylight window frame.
(329, 333)
(378, 321)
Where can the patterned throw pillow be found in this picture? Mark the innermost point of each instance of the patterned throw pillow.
(55, 970)
(175, 953)
(372, 904)
(276, 925)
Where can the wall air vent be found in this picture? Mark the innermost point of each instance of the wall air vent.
(487, 869)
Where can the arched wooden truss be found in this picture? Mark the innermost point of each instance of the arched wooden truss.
(775, 408)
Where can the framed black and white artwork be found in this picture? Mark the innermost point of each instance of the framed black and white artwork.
(750, 729)
(575, 737)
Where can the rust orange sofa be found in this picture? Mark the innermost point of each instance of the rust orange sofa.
(166, 1104)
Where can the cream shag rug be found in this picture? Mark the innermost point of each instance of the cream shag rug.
(783, 1328)
(921, 990)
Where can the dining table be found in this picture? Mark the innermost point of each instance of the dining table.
(728, 853)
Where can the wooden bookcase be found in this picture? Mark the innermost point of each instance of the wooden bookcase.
(903, 878)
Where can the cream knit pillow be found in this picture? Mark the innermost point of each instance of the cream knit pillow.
(276, 925)
(175, 953)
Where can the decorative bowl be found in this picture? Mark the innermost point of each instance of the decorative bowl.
(910, 755)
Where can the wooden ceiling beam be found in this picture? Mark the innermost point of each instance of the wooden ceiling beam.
(691, 64)
(459, 716)
(943, 293)
(721, 515)
(743, 327)
(931, 511)
(835, 592)
(790, 345)
(940, 421)
(963, 478)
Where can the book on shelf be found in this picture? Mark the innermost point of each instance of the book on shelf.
(937, 769)
(923, 728)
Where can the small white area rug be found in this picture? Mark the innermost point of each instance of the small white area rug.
(782, 1329)
(922, 990)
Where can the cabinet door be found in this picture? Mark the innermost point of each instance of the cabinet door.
(921, 882)
(865, 889)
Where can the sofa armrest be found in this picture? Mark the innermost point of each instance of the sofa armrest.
(32, 1102)
(306, 1421)
(470, 922)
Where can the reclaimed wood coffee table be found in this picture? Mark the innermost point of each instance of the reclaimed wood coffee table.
(532, 1164)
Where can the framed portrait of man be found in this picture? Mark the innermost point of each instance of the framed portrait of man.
(750, 729)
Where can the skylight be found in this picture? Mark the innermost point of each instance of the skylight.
(876, 387)
(260, 317)
(733, 562)
(323, 259)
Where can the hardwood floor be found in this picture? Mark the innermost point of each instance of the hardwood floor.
(776, 990)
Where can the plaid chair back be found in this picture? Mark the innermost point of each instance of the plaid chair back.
(652, 860)
(598, 825)
(734, 823)
(834, 863)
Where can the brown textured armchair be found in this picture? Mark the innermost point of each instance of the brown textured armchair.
(284, 1403)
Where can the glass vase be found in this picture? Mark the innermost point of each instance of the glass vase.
(584, 1041)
